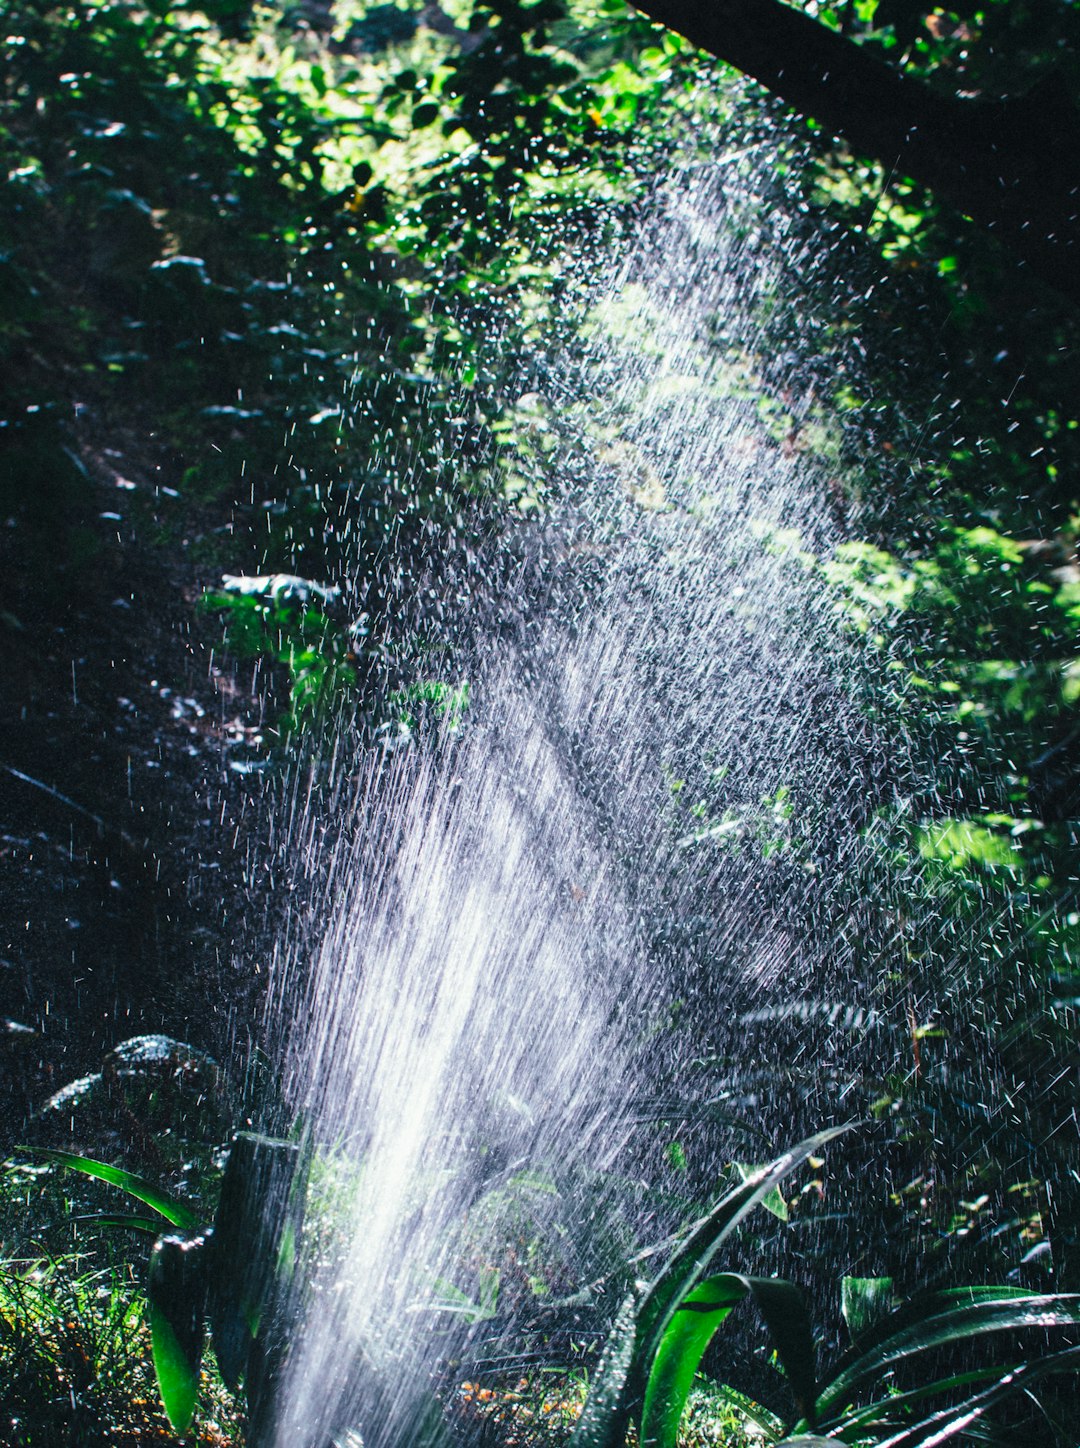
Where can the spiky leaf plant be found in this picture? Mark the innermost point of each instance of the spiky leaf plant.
(661, 1333)
(646, 1318)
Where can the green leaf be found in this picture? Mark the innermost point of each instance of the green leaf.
(774, 1202)
(959, 1417)
(864, 1301)
(895, 1404)
(136, 1186)
(923, 1306)
(176, 1293)
(178, 1382)
(255, 1229)
(124, 1221)
(691, 1329)
(680, 1352)
(975, 1318)
(783, 1311)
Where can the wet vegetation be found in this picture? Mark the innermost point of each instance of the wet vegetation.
(295, 303)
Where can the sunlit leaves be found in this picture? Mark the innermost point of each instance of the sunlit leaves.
(282, 617)
(965, 844)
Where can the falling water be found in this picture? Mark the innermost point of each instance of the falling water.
(526, 932)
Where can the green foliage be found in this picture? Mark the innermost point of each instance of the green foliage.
(232, 1273)
(661, 1335)
(991, 46)
(314, 271)
(646, 1319)
(448, 702)
(323, 263)
(75, 1345)
(136, 1186)
(72, 1354)
(976, 637)
(282, 619)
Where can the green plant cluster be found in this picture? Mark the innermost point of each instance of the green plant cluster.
(310, 268)
(901, 1382)
(230, 1274)
(661, 1334)
(305, 262)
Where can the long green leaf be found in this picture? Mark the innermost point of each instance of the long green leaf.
(893, 1404)
(123, 1221)
(639, 1329)
(136, 1186)
(178, 1379)
(958, 1418)
(606, 1414)
(973, 1319)
(254, 1232)
(919, 1308)
(681, 1350)
(784, 1312)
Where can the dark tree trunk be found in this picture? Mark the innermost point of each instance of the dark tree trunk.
(1013, 166)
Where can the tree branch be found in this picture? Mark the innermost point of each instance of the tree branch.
(1013, 166)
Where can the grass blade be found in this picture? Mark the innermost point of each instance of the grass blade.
(772, 1426)
(144, 1191)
